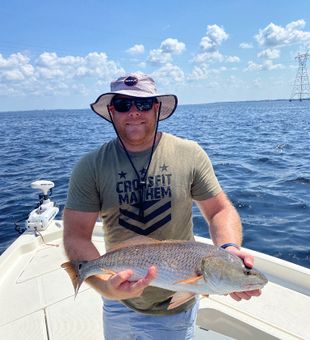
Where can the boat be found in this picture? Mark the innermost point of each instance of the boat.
(37, 298)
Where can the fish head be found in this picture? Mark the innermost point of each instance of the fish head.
(225, 273)
(77, 271)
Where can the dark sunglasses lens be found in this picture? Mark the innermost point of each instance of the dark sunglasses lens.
(122, 104)
(144, 104)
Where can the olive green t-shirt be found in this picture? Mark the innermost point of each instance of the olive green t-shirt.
(105, 181)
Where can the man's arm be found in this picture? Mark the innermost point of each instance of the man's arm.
(78, 229)
(224, 221)
(225, 227)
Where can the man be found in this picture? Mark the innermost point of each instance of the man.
(143, 183)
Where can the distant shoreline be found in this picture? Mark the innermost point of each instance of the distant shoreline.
(210, 103)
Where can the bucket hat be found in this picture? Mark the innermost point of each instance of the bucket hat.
(135, 85)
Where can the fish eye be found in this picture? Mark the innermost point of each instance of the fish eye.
(247, 271)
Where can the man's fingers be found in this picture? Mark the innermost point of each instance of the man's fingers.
(144, 282)
(248, 260)
(121, 277)
(235, 296)
(238, 296)
(151, 274)
(256, 292)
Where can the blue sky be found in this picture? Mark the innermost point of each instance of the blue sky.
(63, 54)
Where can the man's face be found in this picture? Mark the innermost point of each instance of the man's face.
(136, 128)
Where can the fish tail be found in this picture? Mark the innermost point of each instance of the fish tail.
(74, 276)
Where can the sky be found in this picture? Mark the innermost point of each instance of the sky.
(62, 54)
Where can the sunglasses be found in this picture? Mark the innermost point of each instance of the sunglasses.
(125, 104)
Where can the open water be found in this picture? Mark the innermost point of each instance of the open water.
(260, 152)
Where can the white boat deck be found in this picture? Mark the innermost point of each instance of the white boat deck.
(37, 303)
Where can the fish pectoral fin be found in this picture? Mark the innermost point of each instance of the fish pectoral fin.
(191, 280)
(179, 298)
(107, 273)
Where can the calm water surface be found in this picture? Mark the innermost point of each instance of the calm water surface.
(260, 152)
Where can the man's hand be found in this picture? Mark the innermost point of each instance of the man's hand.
(248, 261)
(118, 287)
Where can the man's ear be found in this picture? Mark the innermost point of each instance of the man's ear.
(110, 108)
(157, 106)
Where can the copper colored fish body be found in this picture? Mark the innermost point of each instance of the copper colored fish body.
(182, 266)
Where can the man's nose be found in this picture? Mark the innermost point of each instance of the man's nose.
(134, 112)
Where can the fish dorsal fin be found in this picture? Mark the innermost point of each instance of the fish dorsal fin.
(133, 242)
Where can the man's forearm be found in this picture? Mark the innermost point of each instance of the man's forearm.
(80, 249)
(78, 229)
(225, 226)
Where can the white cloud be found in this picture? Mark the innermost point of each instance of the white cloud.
(169, 74)
(96, 64)
(142, 64)
(245, 45)
(210, 44)
(200, 72)
(232, 59)
(48, 73)
(157, 56)
(276, 36)
(13, 75)
(16, 67)
(14, 59)
(208, 56)
(52, 73)
(265, 66)
(172, 46)
(295, 25)
(269, 53)
(95, 59)
(214, 38)
(136, 49)
(52, 60)
(164, 54)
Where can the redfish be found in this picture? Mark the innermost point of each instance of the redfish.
(186, 267)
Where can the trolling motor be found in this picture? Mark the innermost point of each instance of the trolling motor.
(40, 218)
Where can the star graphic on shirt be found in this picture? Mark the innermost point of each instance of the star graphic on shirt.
(122, 174)
(142, 172)
(164, 167)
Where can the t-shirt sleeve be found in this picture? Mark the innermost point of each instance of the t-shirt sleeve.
(83, 194)
(205, 183)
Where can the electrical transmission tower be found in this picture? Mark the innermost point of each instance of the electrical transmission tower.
(301, 89)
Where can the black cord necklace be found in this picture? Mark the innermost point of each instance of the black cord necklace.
(141, 179)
